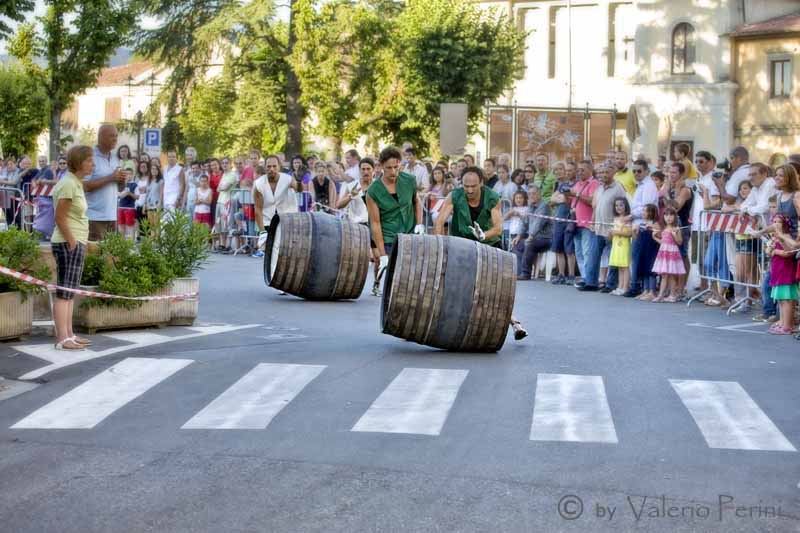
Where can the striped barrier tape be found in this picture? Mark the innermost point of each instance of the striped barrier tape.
(83, 292)
(588, 222)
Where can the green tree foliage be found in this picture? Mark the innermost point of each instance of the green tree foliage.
(448, 51)
(205, 123)
(76, 39)
(338, 46)
(14, 10)
(19, 250)
(24, 107)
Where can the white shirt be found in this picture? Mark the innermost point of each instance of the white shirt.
(646, 193)
(282, 201)
(354, 172)
(505, 190)
(740, 174)
(706, 181)
(356, 209)
(758, 201)
(172, 185)
(421, 172)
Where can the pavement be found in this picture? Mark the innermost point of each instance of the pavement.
(278, 414)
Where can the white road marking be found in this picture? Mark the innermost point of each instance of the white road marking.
(572, 408)
(91, 402)
(254, 400)
(139, 337)
(741, 328)
(417, 401)
(61, 359)
(728, 417)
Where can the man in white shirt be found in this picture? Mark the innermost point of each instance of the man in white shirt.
(274, 192)
(172, 193)
(646, 193)
(740, 169)
(352, 160)
(763, 189)
(417, 169)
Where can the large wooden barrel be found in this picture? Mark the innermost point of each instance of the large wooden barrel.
(317, 256)
(449, 293)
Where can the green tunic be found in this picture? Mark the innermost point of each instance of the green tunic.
(459, 227)
(397, 216)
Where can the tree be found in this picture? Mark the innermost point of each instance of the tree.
(14, 10)
(24, 107)
(335, 55)
(448, 51)
(76, 39)
(206, 123)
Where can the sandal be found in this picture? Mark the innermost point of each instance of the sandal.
(780, 330)
(81, 341)
(671, 300)
(69, 344)
(657, 300)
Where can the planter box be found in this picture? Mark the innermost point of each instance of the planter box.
(183, 313)
(155, 313)
(16, 315)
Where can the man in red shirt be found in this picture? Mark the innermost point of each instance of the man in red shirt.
(581, 196)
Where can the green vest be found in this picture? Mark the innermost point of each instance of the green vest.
(459, 227)
(397, 216)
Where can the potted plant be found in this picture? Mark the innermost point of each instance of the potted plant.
(19, 251)
(122, 269)
(184, 245)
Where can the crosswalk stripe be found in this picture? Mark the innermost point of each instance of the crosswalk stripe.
(571, 408)
(254, 400)
(417, 401)
(728, 417)
(91, 402)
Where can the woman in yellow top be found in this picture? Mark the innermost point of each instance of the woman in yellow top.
(621, 244)
(69, 242)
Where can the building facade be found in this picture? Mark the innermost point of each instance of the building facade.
(674, 60)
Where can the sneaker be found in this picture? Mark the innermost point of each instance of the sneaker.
(376, 288)
(761, 317)
(741, 310)
(569, 281)
(631, 293)
(606, 290)
(588, 288)
(558, 280)
(579, 284)
(258, 254)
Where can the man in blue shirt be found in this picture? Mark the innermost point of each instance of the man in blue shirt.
(102, 186)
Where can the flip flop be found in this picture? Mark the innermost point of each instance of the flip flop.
(69, 345)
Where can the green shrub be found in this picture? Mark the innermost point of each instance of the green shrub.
(19, 250)
(122, 269)
(183, 243)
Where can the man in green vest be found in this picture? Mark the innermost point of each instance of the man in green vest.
(393, 208)
(476, 215)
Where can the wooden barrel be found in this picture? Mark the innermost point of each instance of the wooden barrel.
(317, 256)
(449, 293)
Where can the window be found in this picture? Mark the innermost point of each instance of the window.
(780, 78)
(621, 31)
(683, 44)
(113, 109)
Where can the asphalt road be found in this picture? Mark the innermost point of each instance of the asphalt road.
(308, 419)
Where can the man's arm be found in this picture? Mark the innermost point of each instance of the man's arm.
(92, 184)
(258, 202)
(444, 214)
(538, 222)
(497, 223)
(375, 225)
(182, 177)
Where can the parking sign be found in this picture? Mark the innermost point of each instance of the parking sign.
(152, 142)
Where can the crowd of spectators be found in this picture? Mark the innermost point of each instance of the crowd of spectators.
(614, 224)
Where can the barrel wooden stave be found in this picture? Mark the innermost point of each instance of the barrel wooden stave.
(320, 257)
(449, 293)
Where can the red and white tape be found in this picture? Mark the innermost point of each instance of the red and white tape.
(82, 292)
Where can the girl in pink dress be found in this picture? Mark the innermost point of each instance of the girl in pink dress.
(669, 263)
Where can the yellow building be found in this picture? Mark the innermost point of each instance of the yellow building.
(767, 70)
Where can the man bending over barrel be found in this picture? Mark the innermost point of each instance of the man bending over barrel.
(393, 208)
(477, 216)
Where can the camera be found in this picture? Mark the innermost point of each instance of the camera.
(723, 168)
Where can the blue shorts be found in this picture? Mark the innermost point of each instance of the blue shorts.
(563, 240)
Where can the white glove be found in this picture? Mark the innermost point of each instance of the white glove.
(384, 262)
(477, 231)
(262, 239)
(419, 229)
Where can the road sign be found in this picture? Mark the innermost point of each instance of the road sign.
(152, 142)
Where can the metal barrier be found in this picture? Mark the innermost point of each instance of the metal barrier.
(244, 214)
(729, 255)
(12, 200)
